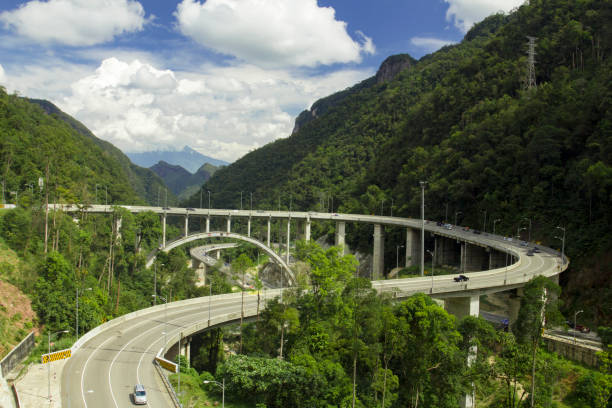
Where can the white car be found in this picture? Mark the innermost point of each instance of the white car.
(140, 395)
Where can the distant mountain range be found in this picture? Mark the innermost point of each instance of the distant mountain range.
(187, 158)
(180, 181)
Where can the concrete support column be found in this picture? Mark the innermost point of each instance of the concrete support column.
(461, 307)
(378, 259)
(202, 225)
(186, 225)
(268, 239)
(288, 238)
(208, 224)
(229, 224)
(463, 256)
(474, 258)
(164, 230)
(218, 253)
(249, 227)
(340, 239)
(307, 230)
(413, 247)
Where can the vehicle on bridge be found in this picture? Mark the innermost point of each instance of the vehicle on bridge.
(461, 278)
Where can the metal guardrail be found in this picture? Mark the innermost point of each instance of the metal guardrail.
(166, 381)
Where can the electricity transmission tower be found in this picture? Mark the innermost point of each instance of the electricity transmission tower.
(530, 81)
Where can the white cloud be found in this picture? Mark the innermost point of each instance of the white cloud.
(2, 76)
(464, 13)
(430, 44)
(271, 32)
(223, 112)
(74, 22)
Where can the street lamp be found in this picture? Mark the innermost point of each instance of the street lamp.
(49, 362)
(200, 197)
(529, 236)
(241, 201)
(456, 214)
(165, 316)
(518, 232)
(155, 284)
(576, 314)
(222, 385)
(208, 191)
(432, 267)
(77, 310)
(562, 244)
(397, 247)
(423, 227)
(484, 223)
(382, 207)
(494, 222)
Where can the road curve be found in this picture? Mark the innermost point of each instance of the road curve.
(108, 361)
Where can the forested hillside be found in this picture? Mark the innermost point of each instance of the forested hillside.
(462, 120)
(36, 133)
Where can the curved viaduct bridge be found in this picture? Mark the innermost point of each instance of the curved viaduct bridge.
(111, 358)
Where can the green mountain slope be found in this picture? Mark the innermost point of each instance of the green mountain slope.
(180, 181)
(36, 132)
(145, 183)
(461, 120)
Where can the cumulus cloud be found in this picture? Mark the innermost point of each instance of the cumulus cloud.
(2, 76)
(271, 32)
(430, 44)
(223, 112)
(74, 22)
(464, 13)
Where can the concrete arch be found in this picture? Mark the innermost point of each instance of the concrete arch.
(222, 234)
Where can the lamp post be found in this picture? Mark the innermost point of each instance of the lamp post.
(397, 247)
(208, 191)
(49, 362)
(529, 236)
(392, 207)
(77, 310)
(423, 227)
(155, 284)
(562, 244)
(518, 232)
(200, 197)
(165, 317)
(106, 195)
(209, 298)
(251, 201)
(382, 207)
(241, 201)
(484, 223)
(432, 267)
(222, 385)
(495, 222)
(456, 214)
(576, 314)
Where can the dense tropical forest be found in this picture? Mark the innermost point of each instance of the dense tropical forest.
(462, 120)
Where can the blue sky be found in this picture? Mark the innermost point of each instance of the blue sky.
(222, 76)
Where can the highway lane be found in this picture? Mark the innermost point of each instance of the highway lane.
(103, 371)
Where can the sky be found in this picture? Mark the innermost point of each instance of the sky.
(222, 76)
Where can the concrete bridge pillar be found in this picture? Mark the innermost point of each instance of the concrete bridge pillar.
(413, 247)
(474, 258)
(186, 225)
(307, 230)
(229, 224)
(249, 227)
(461, 307)
(378, 258)
(268, 238)
(497, 259)
(340, 235)
(446, 252)
(164, 230)
(208, 224)
(288, 238)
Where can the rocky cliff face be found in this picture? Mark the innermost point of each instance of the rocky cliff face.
(392, 66)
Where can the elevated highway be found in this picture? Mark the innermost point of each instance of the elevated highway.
(110, 359)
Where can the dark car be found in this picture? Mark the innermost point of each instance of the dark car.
(582, 329)
(536, 250)
(190, 209)
(476, 231)
(461, 278)
(530, 253)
